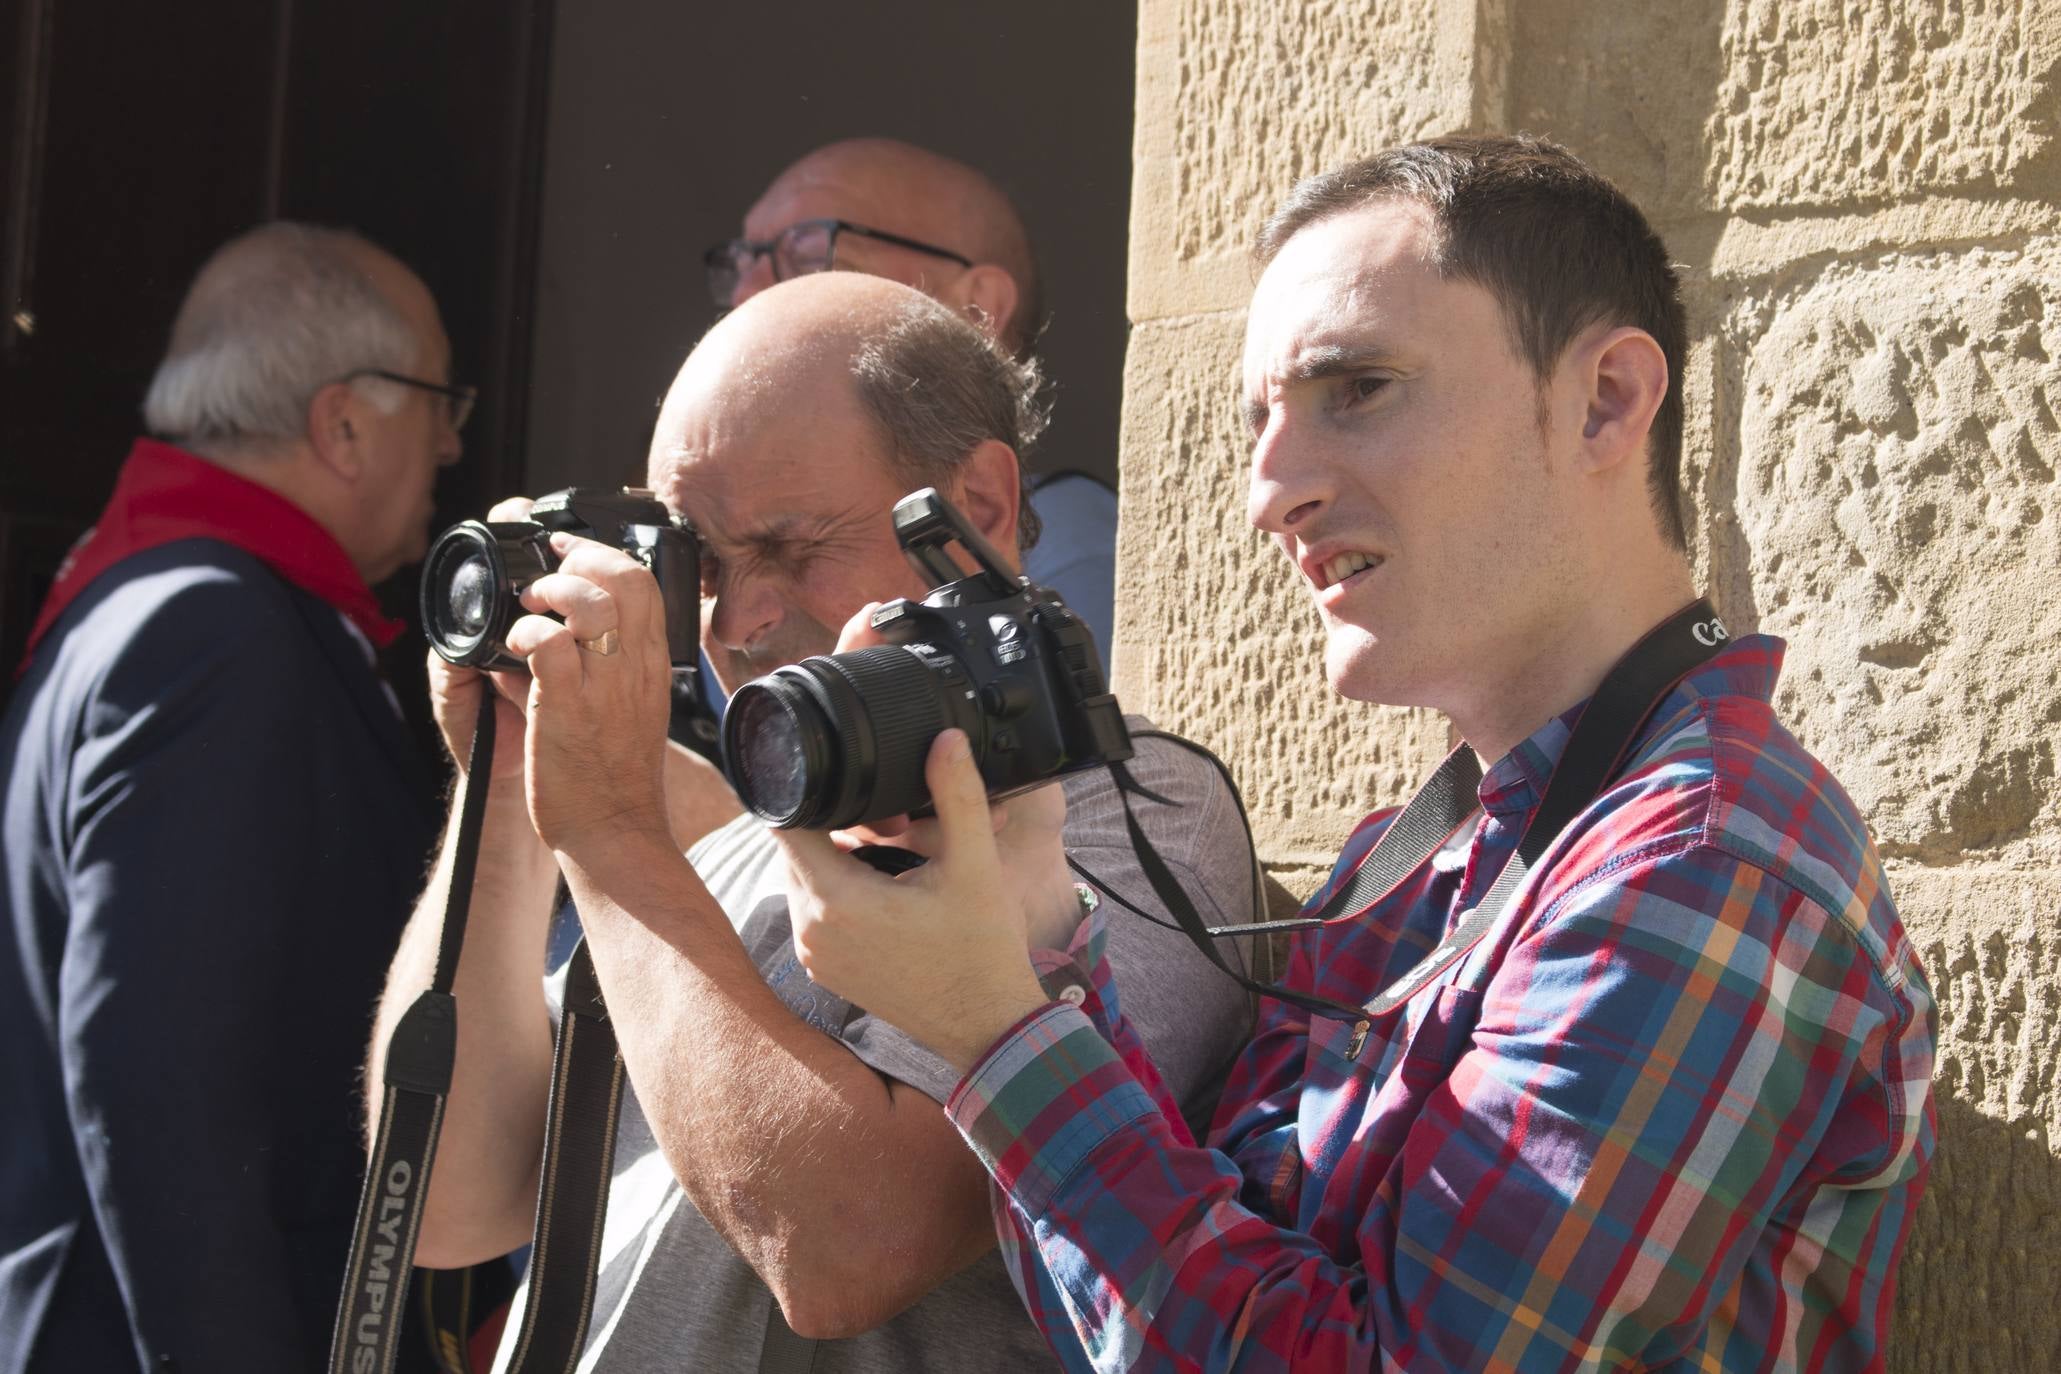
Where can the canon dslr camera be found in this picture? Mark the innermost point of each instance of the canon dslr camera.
(476, 572)
(840, 739)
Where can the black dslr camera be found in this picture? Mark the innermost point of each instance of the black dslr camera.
(476, 571)
(840, 739)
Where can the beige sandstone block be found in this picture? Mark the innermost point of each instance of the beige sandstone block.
(1627, 87)
(1216, 637)
(1977, 1287)
(1830, 101)
(1893, 510)
(1239, 101)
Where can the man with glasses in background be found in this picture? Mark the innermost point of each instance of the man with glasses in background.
(214, 826)
(892, 210)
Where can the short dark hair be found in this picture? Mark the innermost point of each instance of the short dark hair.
(1559, 247)
(938, 386)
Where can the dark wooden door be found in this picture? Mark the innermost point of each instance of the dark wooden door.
(139, 137)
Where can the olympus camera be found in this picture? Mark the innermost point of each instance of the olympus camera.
(841, 739)
(476, 572)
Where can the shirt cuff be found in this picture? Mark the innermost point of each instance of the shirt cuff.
(1068, 975)
(1044, 1099)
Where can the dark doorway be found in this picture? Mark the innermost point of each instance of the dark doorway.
(140, 137)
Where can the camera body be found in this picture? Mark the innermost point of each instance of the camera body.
(841, 739)
(476, 572)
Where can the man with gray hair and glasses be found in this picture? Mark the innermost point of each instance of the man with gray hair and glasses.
(214, 825)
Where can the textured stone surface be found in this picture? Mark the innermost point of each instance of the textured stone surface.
(1896, 514)
(1978, 1276)
(1237, 101)
(1221, 642)
(1824, 101)
(1584, 75)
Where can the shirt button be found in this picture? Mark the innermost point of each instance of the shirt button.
(1074, 993)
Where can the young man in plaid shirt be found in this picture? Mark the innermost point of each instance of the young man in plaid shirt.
(1673, 1109)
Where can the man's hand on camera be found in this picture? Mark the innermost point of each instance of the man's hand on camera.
(454, 694)
(1029, 845)
(599, 702)
(1029, 833)
(938, 951)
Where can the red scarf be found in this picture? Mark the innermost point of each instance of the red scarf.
(166, 494)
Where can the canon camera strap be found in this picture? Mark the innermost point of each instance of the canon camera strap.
(1596, 750)
(579, 1150)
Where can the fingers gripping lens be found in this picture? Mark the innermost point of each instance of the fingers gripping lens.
(476, 572)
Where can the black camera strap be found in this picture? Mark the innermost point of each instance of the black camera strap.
(419, 1058)
(579, 1160)
(579, 1151)
(1596, 750)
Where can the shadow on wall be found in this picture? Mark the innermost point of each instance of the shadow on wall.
(1983, 1252)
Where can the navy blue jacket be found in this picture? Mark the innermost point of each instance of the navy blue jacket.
(214, 828)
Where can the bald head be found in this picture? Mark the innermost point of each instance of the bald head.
(798, 423)
(908, 191)
(800, 333)
(864, 364)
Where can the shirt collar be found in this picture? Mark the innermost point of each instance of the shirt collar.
(165, 494)
(1516, 783)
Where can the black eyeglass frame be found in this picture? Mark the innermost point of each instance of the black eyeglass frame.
(723, 257)
(461, 398)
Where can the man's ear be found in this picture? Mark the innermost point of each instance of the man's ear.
(335, 430)
(990, 493)
(988, 294)
(1624, 375)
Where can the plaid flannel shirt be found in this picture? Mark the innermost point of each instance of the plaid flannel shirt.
(1673, 1111)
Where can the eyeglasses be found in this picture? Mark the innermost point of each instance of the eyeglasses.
(458, 400)
(803, 247)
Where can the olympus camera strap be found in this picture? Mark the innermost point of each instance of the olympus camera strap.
(579, 1151)
(1596, 750)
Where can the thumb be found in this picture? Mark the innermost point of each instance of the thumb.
(961, 797)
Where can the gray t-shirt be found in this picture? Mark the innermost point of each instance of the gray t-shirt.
(673, 1295)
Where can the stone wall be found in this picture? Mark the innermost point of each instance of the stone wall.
(1863, 196)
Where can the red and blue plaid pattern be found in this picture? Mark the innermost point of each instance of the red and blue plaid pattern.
(1674, 1110)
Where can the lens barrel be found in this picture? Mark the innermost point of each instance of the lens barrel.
(471, 580)
(838, 740)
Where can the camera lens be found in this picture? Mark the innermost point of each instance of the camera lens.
(836, 740)
(780, 732)
(470, 584)
(471, 587)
